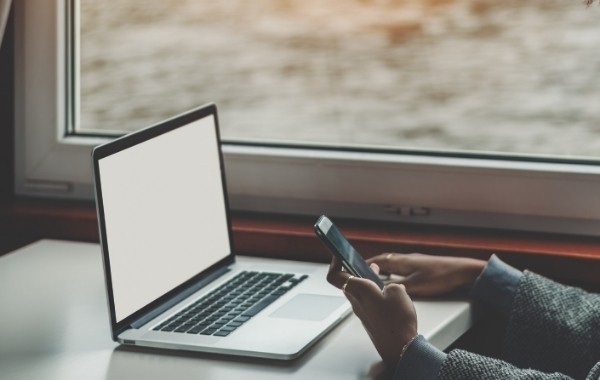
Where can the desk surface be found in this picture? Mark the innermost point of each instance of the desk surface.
(54, 325)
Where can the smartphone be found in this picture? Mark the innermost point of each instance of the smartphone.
(341, 248)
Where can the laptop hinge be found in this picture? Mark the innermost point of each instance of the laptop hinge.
(178, 298)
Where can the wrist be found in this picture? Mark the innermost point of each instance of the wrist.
(471, 270)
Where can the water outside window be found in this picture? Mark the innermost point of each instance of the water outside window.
(487, 75)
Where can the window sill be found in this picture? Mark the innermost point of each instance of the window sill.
(570, 259)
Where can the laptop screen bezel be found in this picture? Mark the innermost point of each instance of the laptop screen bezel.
(128, 141)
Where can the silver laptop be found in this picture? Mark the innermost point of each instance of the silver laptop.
(172, 277)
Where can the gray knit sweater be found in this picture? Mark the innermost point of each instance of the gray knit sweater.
(553, 332)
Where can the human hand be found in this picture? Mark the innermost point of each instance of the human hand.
(425, 275)
(388, 316)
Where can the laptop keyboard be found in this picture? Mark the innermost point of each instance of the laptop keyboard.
(229, 306)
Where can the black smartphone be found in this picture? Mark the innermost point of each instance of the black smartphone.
(341, 248)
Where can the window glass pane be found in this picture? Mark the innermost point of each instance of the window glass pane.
(486, 75)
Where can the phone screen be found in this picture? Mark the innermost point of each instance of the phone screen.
(341, 247)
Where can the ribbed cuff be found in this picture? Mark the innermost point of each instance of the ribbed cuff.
(421, 361)
(497, 285)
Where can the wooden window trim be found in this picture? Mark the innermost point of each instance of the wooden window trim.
(570, 259)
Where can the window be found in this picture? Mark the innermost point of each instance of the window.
(393, 80)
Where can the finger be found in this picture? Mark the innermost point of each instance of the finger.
(384, 261)
(415, 285)
(335, 275)
(397, 263)
(395, 290)
(357, 291)
(336, 263)
(388, 262)
(363, 291)
(375, 268)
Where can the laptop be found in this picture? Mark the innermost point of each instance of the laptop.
(173, 279)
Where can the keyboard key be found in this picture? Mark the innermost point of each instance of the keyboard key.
(162, 325)
(259, 306)
(196, 329)
(209, 331)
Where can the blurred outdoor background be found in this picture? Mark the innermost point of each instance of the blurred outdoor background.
(486, 75)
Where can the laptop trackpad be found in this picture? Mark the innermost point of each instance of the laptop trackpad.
(311, 307)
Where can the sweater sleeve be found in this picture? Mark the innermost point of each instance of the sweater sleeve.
(464, 365)
(496, 286)
(420, 361)
(553, 327)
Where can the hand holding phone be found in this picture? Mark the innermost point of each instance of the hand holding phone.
(340, 247)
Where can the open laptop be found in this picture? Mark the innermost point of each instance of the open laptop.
(172, 278)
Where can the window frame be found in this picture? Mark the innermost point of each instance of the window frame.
(529, 193)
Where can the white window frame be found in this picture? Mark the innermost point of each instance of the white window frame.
(484, 191)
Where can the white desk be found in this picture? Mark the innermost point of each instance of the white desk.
(54, 325)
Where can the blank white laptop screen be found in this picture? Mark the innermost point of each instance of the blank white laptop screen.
(156, 197)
